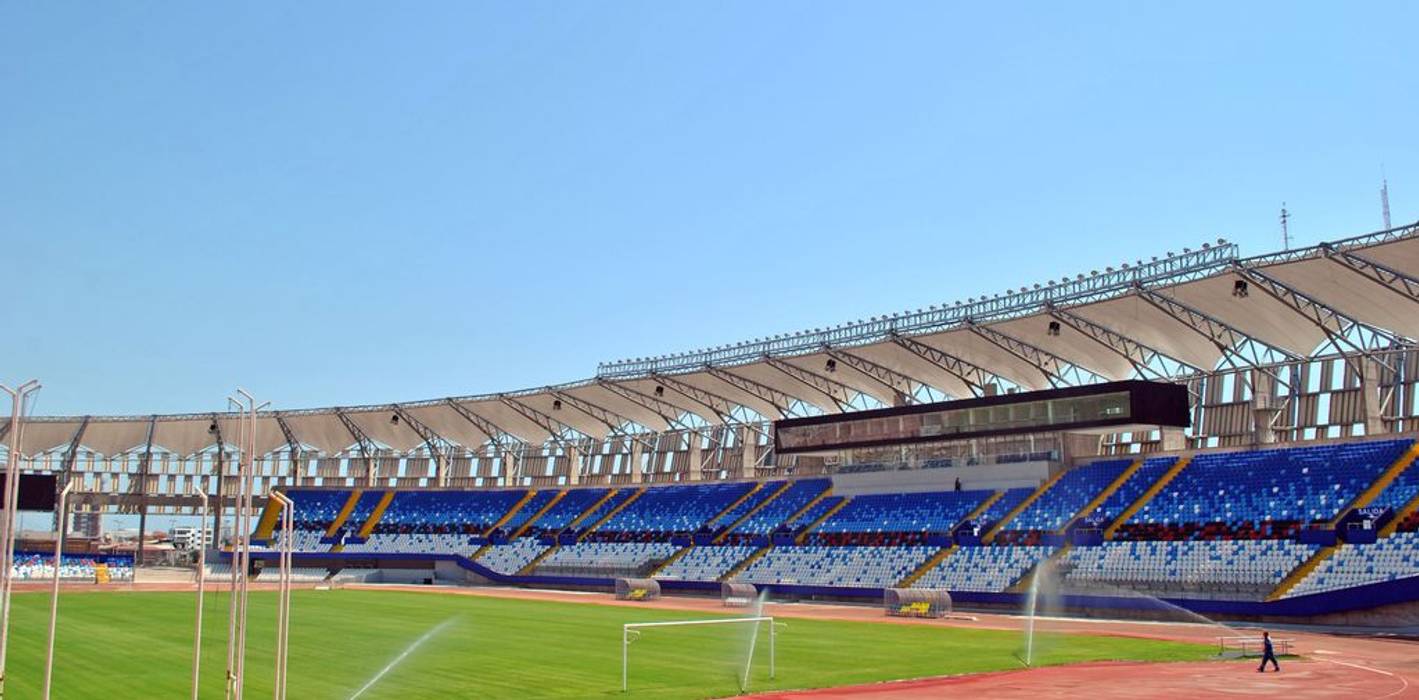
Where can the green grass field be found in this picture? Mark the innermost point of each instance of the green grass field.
(138, 645)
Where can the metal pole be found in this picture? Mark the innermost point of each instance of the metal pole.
(283, 599)
(201, 585)
(54, 594)
(234, 558)
(625, 649)
(7, 523)
(244, 538)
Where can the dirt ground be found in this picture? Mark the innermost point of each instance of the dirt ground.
(1330, 665)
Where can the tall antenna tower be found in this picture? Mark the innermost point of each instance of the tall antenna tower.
(1285, 232)
(1384, 201)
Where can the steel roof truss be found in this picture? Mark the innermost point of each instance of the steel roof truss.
(837, 392)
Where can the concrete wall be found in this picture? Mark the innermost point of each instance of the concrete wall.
(985, 476)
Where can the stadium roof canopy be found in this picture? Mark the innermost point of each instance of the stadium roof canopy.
(1167, 318)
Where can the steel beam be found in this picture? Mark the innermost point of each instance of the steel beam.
(431, 440)
(555, 428)
(219, 464)
(613, 421)
(975, 377)
(1145, 359)
(667, 411)
(1228, 339)
(899, 384)
(719, 405)
(144, 464)
(66, 471)
(1338, 327)
(362, 441)
(840, 394)
(779, 400)
(1403, 284)
(294, 445)
(497, 435)
(1056, 370)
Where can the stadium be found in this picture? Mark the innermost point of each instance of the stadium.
(1098, 484)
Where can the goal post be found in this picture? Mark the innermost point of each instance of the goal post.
(631, 632)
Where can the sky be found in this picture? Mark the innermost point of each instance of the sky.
(336, 203)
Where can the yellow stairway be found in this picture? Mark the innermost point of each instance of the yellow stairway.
(266, 526)
(561, 493)
(511, 512)
(1404, 512)
(749, 560)
(803, 536)
(1104, 495)
(989, 536)
(537, 561)
(1023, 584)
(344, 513)
(1147, 496)
(671, 560)
(751, 512)
(619, 507)
(1301, 572)
(376, 514)
(1380, 484)
(592, 508)
(930, 564)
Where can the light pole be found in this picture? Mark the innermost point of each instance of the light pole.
(247, 409)
(54, 591)
(18, 398)
(201, 584)
(283, 597)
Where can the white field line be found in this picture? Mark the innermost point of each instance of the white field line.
(402, 655)
(1381, 671)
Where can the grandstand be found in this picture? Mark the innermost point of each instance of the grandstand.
(1206, 428)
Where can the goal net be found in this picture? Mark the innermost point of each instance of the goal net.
(719, 656)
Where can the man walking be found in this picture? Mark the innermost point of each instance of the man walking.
(1267, 654)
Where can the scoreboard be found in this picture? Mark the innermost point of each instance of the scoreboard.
(1114, 404)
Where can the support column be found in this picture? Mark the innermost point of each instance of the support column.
(218, 509)
(573, 457)
(296, 468)
(747, 450)
(1174, 439)
(1370, 410)
(142, 533)
(695, 459)
(1264, 407)
(636, 450)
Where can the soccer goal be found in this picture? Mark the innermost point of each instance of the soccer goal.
(630, 632)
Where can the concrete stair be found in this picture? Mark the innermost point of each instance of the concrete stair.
(995, 529)
(670, 560)
(803, 536)
(344, 513)
(1381, 483)
(1023, 585)
(537, 561)
(619, 507)
(1404, 512)
(1147, 496)
(1104, 495)
(376, 514)
(536, 516)
(510, 512)
(266, 525)
(751, 512)
(1301, 572)
(930, 564)
(748, 561)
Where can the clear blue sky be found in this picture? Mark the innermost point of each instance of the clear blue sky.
(337, 203)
